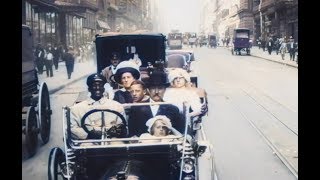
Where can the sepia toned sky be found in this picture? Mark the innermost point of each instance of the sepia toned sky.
(179, 14)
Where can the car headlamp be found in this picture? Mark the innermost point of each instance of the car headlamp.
(188, 165)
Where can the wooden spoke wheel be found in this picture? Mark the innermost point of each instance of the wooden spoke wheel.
(30, 129)
(56, 164)
(44, 112)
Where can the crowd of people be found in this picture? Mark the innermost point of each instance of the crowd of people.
(48, 57)
(120, 83)
(280, 46)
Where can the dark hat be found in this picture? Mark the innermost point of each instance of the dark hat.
(96, 78)
(115, 55)
(158, 78)
(126, 66)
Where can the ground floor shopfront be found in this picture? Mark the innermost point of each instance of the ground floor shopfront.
(52, 24)
(277, 21)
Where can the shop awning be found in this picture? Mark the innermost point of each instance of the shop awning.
(103, 24)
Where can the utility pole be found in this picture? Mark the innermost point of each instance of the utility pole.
(261, 23)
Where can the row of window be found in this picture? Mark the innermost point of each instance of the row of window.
(46, 27)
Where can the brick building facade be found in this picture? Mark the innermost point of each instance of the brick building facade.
(265, 18)
(75, 22)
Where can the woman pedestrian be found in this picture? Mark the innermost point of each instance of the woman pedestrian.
(283, 49)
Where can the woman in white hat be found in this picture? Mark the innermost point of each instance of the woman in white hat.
(179, 94)
(126, 73)
(159, 126)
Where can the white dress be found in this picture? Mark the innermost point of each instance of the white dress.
(178, 96)
(152, 139)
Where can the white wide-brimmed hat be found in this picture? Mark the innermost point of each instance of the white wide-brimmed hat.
(178, 72)
(151, 121)
(126, 66)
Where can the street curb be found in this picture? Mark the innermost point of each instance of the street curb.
(296, 66)
(52, 91)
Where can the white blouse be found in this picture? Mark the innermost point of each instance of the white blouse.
(178, 96)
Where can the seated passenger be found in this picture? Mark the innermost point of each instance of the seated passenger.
(126, 73)
(159, 126)
(113, 125)
(108, 71)
(139, 115)
(138, 91)
(179, 94)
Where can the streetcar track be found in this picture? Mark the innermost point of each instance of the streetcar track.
(266, 95)
(270, 144)
(272, 114)
(268, 141)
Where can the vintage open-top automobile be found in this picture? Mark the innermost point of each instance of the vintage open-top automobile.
(185, 156)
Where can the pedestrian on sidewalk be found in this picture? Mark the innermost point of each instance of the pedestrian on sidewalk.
(270, 45)
(49, 62)
(263, 44)
(283, 49)
(68, 57)
(40, 57)
(277, 45)
(259, 42)
(56, 56)
(292, 47)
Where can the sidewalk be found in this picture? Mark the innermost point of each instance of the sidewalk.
(256, 52)
(60, 77)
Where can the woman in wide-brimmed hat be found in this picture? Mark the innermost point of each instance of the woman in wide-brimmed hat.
(126, 73)
(178, 93)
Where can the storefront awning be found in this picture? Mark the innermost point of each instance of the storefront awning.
(103, 24)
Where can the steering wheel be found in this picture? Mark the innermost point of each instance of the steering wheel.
(84, 117)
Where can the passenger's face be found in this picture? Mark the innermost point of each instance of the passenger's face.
(96, 90)
(156, 93)
(159, 128)
(115, 62)
(137, 92)
(179, 82)
(127, 79)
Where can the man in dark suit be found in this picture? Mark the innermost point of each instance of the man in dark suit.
(139, 115)
(292, 48)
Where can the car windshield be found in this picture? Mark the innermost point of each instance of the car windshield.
(138, 132)
(242, 35)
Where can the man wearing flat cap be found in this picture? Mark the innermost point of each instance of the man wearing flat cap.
(95, 83)
(111, 70)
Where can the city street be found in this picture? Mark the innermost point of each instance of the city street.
(252, 120)
(253, 114)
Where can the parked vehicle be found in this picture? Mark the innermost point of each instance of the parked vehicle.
(36, 110)
(212, 39)
(184, 62)
(175, 40)
(241, 41)
(193, 40)
(203, 40)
